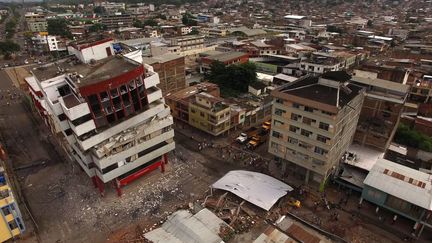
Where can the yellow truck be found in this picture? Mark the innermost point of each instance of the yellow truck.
(266, 126)
(257, 140)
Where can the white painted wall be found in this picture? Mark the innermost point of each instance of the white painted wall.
(156, 95)
(97, 52)
(151, 81)
(76, 111)
(83, 128)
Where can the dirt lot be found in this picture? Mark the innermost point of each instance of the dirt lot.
(76, 206)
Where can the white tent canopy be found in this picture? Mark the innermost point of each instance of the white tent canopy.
(256, 188)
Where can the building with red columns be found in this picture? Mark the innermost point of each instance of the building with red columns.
(107, 113)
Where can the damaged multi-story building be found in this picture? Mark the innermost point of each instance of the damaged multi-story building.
(313, 123)
(106, 111)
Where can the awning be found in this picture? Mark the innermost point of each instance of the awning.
(256, 188)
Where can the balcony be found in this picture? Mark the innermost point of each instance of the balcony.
(83, 128)
(6, 201)
(15, 232)
(140, 161)
(73, 108)
(154, 109)
(153, 94)
(151, 80)
(105, 162)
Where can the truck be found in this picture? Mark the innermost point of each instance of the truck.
(257, 140)
(251, 132)
(266, 126)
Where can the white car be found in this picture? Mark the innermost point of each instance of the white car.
(242, 138)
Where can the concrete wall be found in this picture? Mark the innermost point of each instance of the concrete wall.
(75, 112)
(140, 161)
(302, 151)
(133, 121)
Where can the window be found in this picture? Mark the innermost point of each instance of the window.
(103, 96)
(274, 145)
(322, 139)
(295, 117)
(327, 113)
(308, 109)
(308, 121)
(276, 134)
(278, 123)
(292, 140)
(114, 93)
(305, 133)
(62, 117)
(321, 151)
(293, 128)
(318, 161)
(68, 132)
(202, 114)
(6, 210)
(295, 105)
(279, 112)
(193, 110)
(305, 145)
(324, 126)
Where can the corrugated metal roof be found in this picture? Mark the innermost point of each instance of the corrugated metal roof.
(292, 231)
(183, 227)
(256, 188)
(402, 182)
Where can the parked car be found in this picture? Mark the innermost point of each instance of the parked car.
(242, 138)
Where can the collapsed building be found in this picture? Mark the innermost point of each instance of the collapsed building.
(106, 111)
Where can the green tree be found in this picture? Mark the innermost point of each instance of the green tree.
(189, 20)
(59, 27)
(137, 23)
(162, 16)
(99, 10)
(235, 77)
(150, 22)
(10, 29)
(97, 27)
(332, 28)
(7, 47)
(407, 136)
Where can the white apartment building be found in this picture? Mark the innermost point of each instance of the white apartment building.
(108, 115)
(48, 43)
